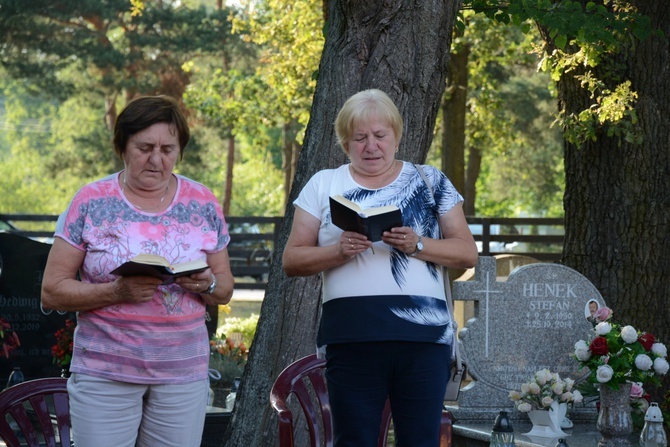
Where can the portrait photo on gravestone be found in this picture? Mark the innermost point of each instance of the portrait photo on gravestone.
(522, 323)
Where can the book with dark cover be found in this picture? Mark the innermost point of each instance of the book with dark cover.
(371, 222)
(158, 267)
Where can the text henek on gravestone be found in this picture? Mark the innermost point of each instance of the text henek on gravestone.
(529, 322)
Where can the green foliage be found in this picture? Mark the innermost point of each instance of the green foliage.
(93, 54)
(577, 37)
(81, 148)
(244, 326)
(614, 113)
(228, 358)
(106, 43)
(509, 113)
(229, 348)
(258, 188)
(290, 40)
(529, 168)
(26, 179)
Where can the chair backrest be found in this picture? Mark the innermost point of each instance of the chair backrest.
(305, 379)
(36, 413)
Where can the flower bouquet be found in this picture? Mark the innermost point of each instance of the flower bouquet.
(543, 390)
(620, 361)
(617, 355)
(8, 338)
(226, 364)
(545, 398)
(228, 359)
(62, 350)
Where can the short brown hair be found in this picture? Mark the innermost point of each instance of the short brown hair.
(363, 106)
(146, 111)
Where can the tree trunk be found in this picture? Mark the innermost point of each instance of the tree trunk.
(453, 116)
(471, 175)
(401, 47)
(617, 231)
(287, 160)
(230, 164)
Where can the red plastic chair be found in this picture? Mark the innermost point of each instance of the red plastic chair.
(304, 379)
(30, 410)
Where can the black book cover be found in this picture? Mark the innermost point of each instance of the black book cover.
(371, 222)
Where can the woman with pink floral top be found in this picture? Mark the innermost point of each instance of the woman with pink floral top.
(141, 348)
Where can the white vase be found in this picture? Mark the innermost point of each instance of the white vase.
(547, 423)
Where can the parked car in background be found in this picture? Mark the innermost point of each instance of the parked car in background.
(6, 226)
(250, 250)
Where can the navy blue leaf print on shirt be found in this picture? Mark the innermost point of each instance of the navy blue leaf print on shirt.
(411, 195)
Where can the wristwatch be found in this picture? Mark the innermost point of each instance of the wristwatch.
(419, 247)
(211, 287)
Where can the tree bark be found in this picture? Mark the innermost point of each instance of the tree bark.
(287, 160)
(617, 231)
(401, 47)
(453, 129)
(471, 176)
(230, 164)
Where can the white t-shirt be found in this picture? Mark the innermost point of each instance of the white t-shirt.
(385, 295)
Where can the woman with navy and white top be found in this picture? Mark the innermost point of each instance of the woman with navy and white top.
(385, 326)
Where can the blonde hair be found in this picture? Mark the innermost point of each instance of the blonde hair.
(363, 107)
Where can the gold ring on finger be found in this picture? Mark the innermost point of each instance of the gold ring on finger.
(352, 246)
(404, 236)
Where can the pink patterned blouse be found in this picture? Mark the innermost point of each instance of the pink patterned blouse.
(161, 341)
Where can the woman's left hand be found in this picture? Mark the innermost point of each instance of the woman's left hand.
(403, 239)
(197, 282)
(219, 271)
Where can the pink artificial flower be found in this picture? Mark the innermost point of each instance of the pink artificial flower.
(636, 390)
(603, 314)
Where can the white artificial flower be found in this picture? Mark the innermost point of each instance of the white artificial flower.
(629, 334)
(577, 396)
(558, 387)
(661, 366)
(566, 397)
(643, 362)
(581, 344)
(534, 388)
(525, 388)
(582, 351)
(514, 395)
(603, 328)
(659, 349)
(524, 407)
(604, 373)
(543, 376)
(547, 401)
(569, 383)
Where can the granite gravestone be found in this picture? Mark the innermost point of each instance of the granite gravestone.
(529, 322)
(22, 262)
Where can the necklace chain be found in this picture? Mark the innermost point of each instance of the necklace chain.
(123, 189)
(383, 176)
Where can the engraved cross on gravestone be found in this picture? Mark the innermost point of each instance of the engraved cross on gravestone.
(522, 325)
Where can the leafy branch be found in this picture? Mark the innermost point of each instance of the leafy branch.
(578, 37)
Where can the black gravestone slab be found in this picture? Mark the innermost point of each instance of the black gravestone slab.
(22, 262)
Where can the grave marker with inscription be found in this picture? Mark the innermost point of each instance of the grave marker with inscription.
(529, 322)
(22, 262)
